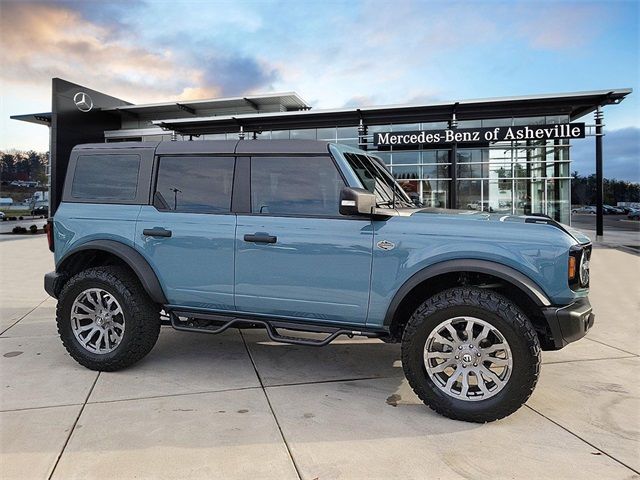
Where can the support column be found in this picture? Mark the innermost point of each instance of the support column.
(599, 176)
(453, 172)
(453, 188)
(362, 136)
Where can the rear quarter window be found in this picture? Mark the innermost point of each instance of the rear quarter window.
(106, 177)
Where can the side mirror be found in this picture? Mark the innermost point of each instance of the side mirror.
(357, 201)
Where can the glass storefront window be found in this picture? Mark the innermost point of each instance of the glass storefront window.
(435, 156)
(280, 135)
(529, 121)
(497, 122)
(434, 193)
(406, 172)
(405, 127)
(551, 119)
(434, 125)
(378, 128)
(303, 134)
(405, 156)
(466, 170)
(347, 132)
(327, 134)
(469, 123)
(522, 198)
(384, 156)
(469, 195)
(558, 199)
(498, 196)
(435, 170)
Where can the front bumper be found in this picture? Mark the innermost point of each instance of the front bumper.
(569, 323)
(52, 283)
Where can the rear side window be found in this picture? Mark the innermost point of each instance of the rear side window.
(295, 186)
(194, 184)
(106, 177)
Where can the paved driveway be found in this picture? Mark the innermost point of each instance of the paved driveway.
(239, 406)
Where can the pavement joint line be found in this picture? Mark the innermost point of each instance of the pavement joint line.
(73, 427)
(26, 314)
(275, 418)
(9, 410)
(611, 346)
(31, 336)
(169, 395)
(588, 360)
(582, 439)
(338, 380)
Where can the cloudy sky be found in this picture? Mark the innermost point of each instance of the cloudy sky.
(333, 53)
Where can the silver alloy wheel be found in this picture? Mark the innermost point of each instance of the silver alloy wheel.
(97, 321)
(468, 358)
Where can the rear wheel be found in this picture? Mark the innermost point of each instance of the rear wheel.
(471, 354)
(105, 318)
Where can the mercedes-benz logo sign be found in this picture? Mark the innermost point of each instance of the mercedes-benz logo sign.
(83, 101)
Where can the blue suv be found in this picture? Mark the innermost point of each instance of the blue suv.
(305, 236)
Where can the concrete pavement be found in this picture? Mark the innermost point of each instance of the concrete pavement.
(239, 406)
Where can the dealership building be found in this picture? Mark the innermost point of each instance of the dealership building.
(506, 155)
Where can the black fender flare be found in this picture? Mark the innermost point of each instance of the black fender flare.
(131, 257)
(516, 278)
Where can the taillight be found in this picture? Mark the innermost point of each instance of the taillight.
(49, 227)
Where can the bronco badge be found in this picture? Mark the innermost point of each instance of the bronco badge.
(385, 245)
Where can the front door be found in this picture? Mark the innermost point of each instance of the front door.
(188, 234)
(296, 256)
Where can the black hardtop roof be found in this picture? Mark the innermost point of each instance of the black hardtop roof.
(220, 147)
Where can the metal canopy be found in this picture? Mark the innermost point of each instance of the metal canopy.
(575, 105)
(38, 118)
(276, 101)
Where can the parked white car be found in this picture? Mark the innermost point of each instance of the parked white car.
(588, 209)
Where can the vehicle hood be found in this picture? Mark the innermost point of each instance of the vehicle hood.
(472, 215)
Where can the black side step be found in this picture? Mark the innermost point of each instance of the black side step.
(271, 326)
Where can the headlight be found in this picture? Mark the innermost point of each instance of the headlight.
(584, 268)
(578, 267)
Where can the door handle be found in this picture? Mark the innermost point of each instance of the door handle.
(260, 238)
(156, 232)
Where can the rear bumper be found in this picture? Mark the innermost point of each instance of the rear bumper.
(52, 283)
(569, 323)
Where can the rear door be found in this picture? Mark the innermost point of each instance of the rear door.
(188, 232)
(296, 256)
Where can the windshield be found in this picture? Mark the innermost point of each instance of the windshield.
(377, 179)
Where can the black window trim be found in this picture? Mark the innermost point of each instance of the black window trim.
(298, 215)
(156, 171)
(105, 199)
(145, 156)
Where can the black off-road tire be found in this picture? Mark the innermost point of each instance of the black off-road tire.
(142, 318)
(501, 313)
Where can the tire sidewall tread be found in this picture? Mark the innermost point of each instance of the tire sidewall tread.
(142, 317)
(502, 314)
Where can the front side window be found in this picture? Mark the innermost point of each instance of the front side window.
(194, 184)
(377, 179)
(295, 186)
(106, 177)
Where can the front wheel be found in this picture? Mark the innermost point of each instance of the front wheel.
(471, 354)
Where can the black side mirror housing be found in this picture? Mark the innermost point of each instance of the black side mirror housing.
(357, 201)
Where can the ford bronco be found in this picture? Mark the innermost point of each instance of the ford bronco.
(306, 236)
